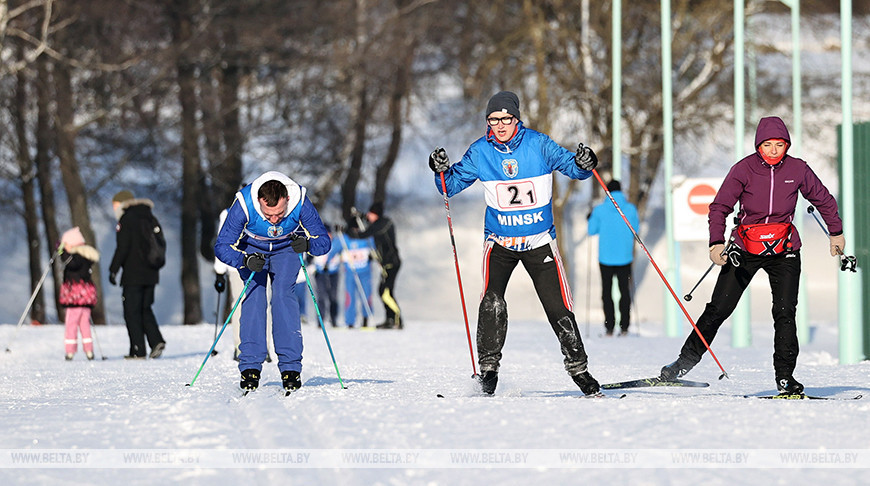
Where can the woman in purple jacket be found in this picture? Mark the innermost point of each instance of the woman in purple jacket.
(766, 184)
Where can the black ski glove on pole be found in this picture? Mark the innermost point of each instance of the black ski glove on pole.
(300, 244)
(255, 261)
(438, 160)
(585, 158)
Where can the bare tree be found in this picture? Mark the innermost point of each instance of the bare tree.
(28, 193)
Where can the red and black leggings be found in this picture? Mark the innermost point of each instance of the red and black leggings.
(544, 266)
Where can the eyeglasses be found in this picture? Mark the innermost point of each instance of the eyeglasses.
(507, 121)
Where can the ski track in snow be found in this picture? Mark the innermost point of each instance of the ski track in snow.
(393, 379)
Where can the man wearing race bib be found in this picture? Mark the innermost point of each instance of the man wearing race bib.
(269, 224)
(766, 184)
(515, 165)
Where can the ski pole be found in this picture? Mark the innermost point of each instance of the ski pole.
(588, 282)
(688, 297)
(96, 340)
(356, 278)
(33, 297)
(217, 317)
(208, 354)
(665, 280)
(847, 262)
(458, 275)
(320, 320)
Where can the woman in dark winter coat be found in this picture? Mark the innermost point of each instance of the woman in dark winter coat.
(77, 293)
(766, 184)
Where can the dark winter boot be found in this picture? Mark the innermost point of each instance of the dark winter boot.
(388, 324)
(488, 382)
(250, 380)
(787, 385)
(291, 380)
(675, 370)
(588, 385)
(157, 350)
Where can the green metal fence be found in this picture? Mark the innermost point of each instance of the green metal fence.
(859, 243)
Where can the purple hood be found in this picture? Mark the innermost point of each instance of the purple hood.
(769, 194)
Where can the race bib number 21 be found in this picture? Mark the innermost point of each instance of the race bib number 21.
(516, 195)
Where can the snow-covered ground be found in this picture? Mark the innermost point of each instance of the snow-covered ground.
(112, 421)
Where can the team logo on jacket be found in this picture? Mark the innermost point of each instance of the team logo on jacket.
(275, 231)
(510, 167)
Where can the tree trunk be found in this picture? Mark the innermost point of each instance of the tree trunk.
(69, 171)
(230, 173)
(190, 172)
(44, 172)
(31, 214)
(396, 112)
(359, 91)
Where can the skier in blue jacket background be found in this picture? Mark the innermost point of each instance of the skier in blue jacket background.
(615, 254)
(515, 165)
(270, 222)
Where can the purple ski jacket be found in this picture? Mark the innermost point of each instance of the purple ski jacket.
(769, 193)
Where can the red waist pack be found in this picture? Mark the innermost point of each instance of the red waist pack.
(766, 239)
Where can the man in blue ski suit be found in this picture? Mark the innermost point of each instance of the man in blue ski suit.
(515, 165)
(270, 222)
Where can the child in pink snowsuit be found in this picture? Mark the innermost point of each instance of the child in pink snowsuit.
(77, 293)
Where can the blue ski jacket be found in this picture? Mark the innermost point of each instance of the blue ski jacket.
(517, 178)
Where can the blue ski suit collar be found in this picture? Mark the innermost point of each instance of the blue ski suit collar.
(511, 144)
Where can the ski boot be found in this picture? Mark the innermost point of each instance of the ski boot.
(157, 350)
(291, 380)
(588, 385)
(68, 357)
(89, 355)
(677, 369)
(250, 380)
(387, 324)
(488, 381)
(787, 385)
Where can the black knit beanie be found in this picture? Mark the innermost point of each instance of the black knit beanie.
(503, 101)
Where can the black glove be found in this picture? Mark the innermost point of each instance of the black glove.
(112, 279)
(438, 160)
(255, 261)
(220, 282)
(300, 244)
(585, 158)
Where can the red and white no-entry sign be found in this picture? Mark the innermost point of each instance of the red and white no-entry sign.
(700, 196)
(692, 198)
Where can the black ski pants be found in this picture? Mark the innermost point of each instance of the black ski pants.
(623, 279)
(388, 280)
(544, 266)
(783, 272)
(140, 319)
